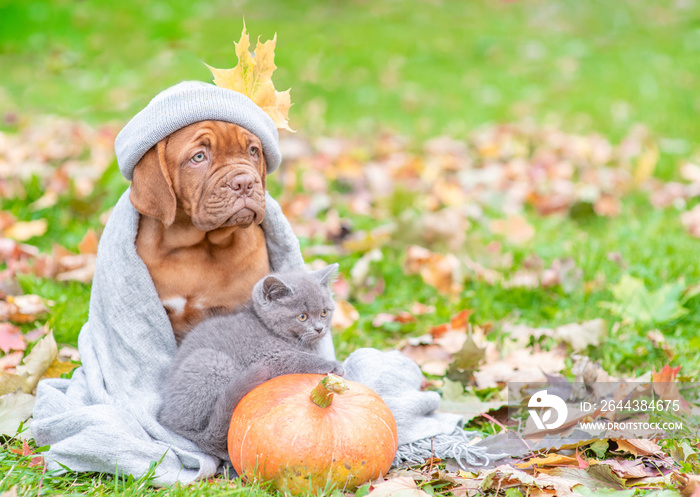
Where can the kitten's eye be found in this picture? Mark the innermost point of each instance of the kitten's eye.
(324, 313)
(198, 158)
(302, 317)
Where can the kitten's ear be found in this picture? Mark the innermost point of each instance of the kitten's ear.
(274, 288)
(327, 274)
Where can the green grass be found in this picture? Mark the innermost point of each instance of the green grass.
(420, 68)
(427, 69)
(15, 472)
(656, 250)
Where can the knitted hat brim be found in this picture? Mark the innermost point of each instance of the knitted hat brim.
(187, 103)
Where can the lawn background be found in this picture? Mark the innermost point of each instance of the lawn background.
(423, 69)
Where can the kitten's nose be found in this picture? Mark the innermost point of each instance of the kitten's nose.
(318, 329)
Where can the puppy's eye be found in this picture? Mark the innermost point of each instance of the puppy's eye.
(198, 157)
(253, 151)
(324, 313)
(302, 317)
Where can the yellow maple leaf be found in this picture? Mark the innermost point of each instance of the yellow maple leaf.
(57, 368)
(252, 76)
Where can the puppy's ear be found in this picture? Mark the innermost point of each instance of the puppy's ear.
(152, 188)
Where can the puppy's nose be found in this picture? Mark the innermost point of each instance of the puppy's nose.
(243, 185)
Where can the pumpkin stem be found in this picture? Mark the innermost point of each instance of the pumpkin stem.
(322, 394)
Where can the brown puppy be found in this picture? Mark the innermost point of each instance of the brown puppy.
(201, 193)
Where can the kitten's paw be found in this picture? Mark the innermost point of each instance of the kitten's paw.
(338, 369)
(263, 373)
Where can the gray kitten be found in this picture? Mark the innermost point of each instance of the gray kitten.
(225, 357)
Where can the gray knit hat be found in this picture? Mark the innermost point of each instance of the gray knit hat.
(187, 103)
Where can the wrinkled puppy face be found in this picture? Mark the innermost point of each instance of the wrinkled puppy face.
(214, 171)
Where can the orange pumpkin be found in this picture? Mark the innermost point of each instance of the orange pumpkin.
(306, 432)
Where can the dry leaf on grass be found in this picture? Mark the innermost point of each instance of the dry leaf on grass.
(671, 194)
(466, 360)
(504, 477)
(11, 338)
(10, 250)
(666, 375)
(361, 269)
(578, 335)
(666, 387)
(595, 477)
(440, 271)
(58, 368)
(38, 361)
(646, 162)
(24, 230)
(590, 372)
(522, 366)
(691, 221)
(608, 206)
(435, 352)
(515, 229)
(10, 493)
(79, 267)
(27, 451)
(69, 353)
(688, 485)
(564, 273)
(432, 358)
(60, 152)
(404, 486)
(640, 447)
(481, 272)
(454, 399)
(37, 333)
(400, 317)
(345, 315)
(64, 265)
(559, 486)
(447, 226)
(581, 335)
(635, 468)
(690, 172)
(340, 287)
(362, 241)
(88, 245)
(445, 193)
(48, 199)
(533, 274)
(552, 459)
(28, 308)
(10, 382)
(452, 335)
(9, 361)
(467, 487)
(15, 408)
(418, 309)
